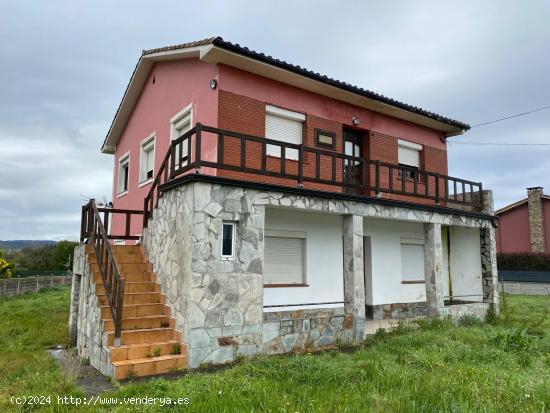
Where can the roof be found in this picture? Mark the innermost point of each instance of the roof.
(204, 50)
(517, 204)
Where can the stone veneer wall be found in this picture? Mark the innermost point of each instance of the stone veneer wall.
(218, 304)
(168, 248)
(286, 331)
(91, 343)
(397, 311)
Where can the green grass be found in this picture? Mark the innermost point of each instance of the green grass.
(439, 367)
(29, 324)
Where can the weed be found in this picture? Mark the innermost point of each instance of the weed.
(176, 349)
(157, 351)
(132, 375)
(491, 317)
(516, 339)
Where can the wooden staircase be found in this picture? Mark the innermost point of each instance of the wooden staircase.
(149, 343)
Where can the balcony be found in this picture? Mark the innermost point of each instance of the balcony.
(237, 156)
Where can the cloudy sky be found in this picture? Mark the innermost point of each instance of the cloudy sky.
(64, 66)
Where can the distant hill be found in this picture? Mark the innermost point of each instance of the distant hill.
(19, 244)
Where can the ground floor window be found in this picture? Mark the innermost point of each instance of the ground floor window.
(412, 260)
(228, 241)
(284, 258)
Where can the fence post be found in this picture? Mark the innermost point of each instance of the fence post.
(18, 279)
(36, 284)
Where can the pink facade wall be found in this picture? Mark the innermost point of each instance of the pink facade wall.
(513, 231)
(176, 85)
(179, 83)
(278, 94)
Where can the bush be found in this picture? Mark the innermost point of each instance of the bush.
(523, 262)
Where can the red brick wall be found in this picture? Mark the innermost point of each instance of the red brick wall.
(246, 115)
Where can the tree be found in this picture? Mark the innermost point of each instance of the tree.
(5, 266)
(62, 255)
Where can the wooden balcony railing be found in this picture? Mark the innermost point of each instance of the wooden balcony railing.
(250, 158)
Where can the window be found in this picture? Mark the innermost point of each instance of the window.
(147, 159)
(284, 258)
(409, 155)
(181, 123)
(412, 260)
(285, 126)
(325, 138)
(123, 174)
(228, 241)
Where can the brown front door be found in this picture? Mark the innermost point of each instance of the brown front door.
(353, 146)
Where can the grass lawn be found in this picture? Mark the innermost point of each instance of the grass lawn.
(502, 366)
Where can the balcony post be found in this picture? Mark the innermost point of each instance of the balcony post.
(198, 145)
(377, 178)
(301, 167)
(436, 188)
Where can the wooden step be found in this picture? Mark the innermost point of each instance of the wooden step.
(136, 298)
(145, 350)
(146, 276)
(125, 269)
(149, 366)
(139, 323)
(143, 336)
(120, 258)
(137, 310)
(132, 287)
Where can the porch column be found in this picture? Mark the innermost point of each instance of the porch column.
(433, 263)
(489, 273)
(354, 277)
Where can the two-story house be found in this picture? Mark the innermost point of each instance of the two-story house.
(273, 209)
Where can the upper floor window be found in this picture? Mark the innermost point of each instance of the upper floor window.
(123, 174)
(285, 126)
(147, 160)
(181, 123)
(409, 155)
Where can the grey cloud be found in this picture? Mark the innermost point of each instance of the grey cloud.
(65, 66)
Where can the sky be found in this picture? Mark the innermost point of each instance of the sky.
(64, 66)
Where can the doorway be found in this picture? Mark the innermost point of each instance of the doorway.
(353, 146)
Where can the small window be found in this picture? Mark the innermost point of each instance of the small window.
(285, 126)
(284, 258)
(123, 174)
(147, 160)
(228, 240)
(409, 157)
(412, 260)
(325, 139)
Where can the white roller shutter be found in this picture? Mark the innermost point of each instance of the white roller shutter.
(412, 262)
(408, 156)
(283, 260)
(285, 130)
